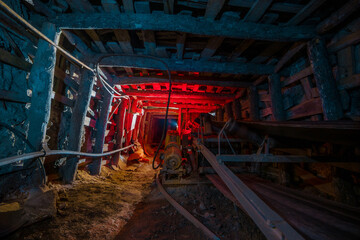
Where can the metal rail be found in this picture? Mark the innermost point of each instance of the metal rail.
(184, 212)
(269, 222)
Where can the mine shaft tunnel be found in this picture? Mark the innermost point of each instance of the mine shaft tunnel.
(194, 119)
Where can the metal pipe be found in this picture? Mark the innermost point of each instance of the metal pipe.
(9, 160)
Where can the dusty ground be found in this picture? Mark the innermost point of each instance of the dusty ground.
(155, 218)
(94, 207)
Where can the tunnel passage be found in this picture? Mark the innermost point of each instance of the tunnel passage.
(261, 100)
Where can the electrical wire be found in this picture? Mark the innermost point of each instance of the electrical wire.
(23, 137)
(103, 80)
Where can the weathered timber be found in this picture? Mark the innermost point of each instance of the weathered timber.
(325, 81)
(277, 7)
(305, 82)
(41, 80)
(83, 6)
(184, 100)
(110, 6)
(180, 80)
(184, 106)
(350, 82)
(350, 39)
(228, 112)
(182, 23)
(180, 45)
(254, 103)
(277, 104)
(178, 94)
(236, 108)
(211, 47)
(213, 8)
(14, 61)
(296, 77)
(187, 65)
(288, 55)
(76, 130)
(339, 16)
(12, 96)
(305, 12)
(78, 43)
(101, 124)
(40, 7)
(305, 109)
(220, 114)
(257, 10)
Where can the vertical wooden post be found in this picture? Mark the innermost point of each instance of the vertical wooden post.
(120, 122)
(219, 115)
(179, 121)
(76, 131)
(236, 107)
(101, 124)
(325, 81)
(254, 103)
(41, 80)
(277, 105)
(228, 111)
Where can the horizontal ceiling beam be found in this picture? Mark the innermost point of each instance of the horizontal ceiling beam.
(179, 94)
(183, 80)
(187, 65)
(192, 106)
(184, 100)
(182, 23)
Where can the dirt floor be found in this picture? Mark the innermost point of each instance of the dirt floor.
(125, 204)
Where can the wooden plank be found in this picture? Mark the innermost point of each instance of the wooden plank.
(213, 8)
(188, 65)
(240, 49)
(288, 55)
(62, 99)
(12, 96)
(40, 7)
(211, 47)
(265, 112)
(236, 109)
(76, 131)
(254, 103)
(277, 104)
(305, 109)
(182, 23)
(305, 12)
(350, 39)
(350, 82)
(276, 7)
(83, 6)
(339, 16)
(110, 6)
(123, 37)
(296, 77)
(180, 45)
(101, 124)
(128, 6)
(14, 61)
(265, 97)
(169, 6)
(257, 10)
(305, 82)
(94, 36)
(41, 81)
(149, 42)
(325, 81)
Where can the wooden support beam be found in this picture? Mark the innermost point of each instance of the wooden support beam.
(236, 108)
(325, 81)
(78, 43)
(240, 49)
(182, 106)
(348, 40)
(94, 36)
(83, 6)
(182, 23)
(183, 100)
(14, 61)
(180, 45)
(110, 6)
(305, 109)
(41, 81)
(339, 16)
(123, 37)
(181, 80)
(101, 124)
(128, 6)
(297, 76)
(228, 112)
(188, 65)
(211, 47)
(288, 55)
(276, 7)
(169, 6)
(213, 8)
(149, 42)
(12, 96)
(178, 94)
(305, 12)
(277, 105)
(257, 10)
(76, 131)
(254, 103)
(40, 7)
